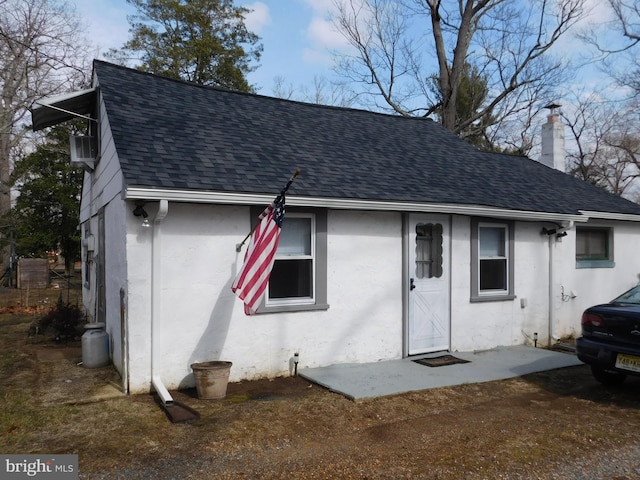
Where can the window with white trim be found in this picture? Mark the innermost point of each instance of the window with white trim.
(492, 260)
(292, 276)
(298, 279)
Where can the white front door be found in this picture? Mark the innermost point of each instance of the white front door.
(428, 322)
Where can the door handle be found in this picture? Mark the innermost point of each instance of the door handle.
(412, 285)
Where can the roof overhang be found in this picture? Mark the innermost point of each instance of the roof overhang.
(627, 217)
(156, 194)
(54, 110)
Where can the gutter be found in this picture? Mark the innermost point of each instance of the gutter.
(629, 217)
(231, 198)
(156, 381)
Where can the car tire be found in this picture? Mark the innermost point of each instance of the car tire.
(607, 377)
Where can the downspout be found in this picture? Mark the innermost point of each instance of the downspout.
(159, 387)
(552, 248)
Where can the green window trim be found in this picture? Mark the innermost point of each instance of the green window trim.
(594, 247)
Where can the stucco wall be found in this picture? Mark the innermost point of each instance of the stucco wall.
(485, 325)
(551, 313)
(595, 285)
(197, 317)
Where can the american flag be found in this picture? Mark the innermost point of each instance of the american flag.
(251, 283)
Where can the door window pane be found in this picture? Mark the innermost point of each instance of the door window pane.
(428, 250)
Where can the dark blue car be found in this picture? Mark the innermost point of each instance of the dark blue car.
(610, 341)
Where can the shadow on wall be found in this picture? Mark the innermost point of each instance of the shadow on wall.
(214, 337)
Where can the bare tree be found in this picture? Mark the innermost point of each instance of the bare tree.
(41, 54)
(615, 41)
(282, 89)
(323, 92)
(508, 42)
(627, 16)
(605, 144)
(627, 22)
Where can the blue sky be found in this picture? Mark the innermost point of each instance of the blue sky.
(296, 36)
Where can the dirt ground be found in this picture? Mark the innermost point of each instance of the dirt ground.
(552, 425)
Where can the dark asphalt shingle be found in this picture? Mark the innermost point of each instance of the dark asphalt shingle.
(173, 134)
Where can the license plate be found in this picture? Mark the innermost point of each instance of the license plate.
(628, 362)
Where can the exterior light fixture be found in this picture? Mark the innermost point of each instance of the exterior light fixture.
(139, 211)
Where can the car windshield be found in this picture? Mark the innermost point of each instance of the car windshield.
(631, 296)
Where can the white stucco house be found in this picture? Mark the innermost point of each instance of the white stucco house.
(399, 238)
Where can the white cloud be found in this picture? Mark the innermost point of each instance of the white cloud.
(107, 25)
(321, 6)
(323, 33)
(597, 12)
(317, 57)
(257, 18)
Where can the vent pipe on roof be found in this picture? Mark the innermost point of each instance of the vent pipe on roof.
(553, 153)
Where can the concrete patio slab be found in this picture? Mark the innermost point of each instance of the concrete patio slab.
(378, 379)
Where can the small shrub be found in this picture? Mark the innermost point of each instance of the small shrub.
(64, 322)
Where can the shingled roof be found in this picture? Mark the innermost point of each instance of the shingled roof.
(176, 135)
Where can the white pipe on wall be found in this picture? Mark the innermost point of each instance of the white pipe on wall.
(156, 308)
(568, 225)
(552, 245)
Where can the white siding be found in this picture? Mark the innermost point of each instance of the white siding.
(102, 191)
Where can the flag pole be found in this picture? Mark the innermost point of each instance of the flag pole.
(282, 192)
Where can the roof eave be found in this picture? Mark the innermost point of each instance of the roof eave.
(231, 198)
(627, 217)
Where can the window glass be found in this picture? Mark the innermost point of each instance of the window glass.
(592, 244)
(295, 237)
(493, 274)
(492, 260)
(492, 241)
(292, 276)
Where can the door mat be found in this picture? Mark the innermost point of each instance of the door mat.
(441, 361)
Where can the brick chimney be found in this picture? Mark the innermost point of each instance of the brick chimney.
(552, 148)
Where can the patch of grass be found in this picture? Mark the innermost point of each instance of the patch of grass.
(21, 419)
(9, 361)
